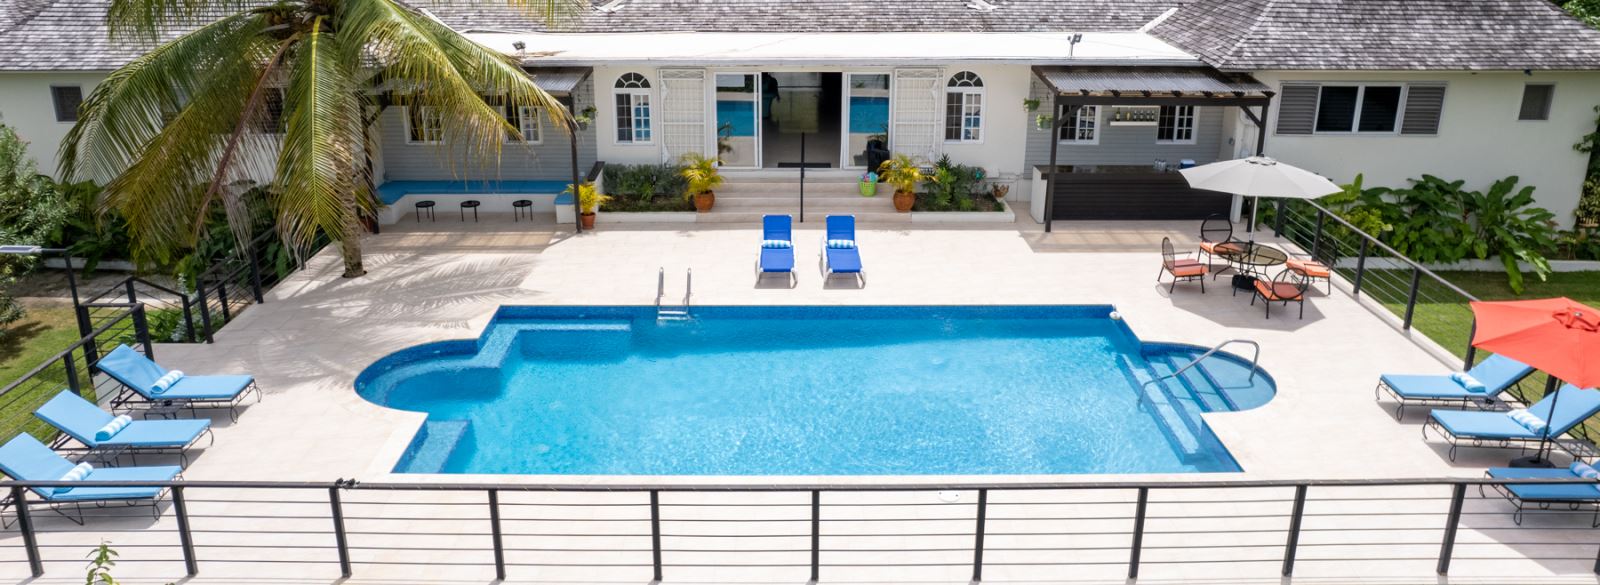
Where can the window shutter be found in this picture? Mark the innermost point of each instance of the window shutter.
(1424, 104)
(916, 113)
(1297, 109)
(683, 112)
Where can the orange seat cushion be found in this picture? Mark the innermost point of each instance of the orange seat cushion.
(1187, 269)
(1310, 268)
(1281, 291)
(1208, 246)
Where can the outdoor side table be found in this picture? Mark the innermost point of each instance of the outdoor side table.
(469, 204)
(425, 205)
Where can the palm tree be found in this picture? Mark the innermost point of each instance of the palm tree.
(171, 132)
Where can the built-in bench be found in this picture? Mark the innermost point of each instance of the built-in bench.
(401, 197)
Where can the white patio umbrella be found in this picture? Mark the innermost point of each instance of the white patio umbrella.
(1259, 176)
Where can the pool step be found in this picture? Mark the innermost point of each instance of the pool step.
(585, 340)
(1181, 393)
(431, 448)
(1196, 383)
(1175, 424)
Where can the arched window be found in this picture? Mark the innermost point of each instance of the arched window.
(963, 108)
(632, 92)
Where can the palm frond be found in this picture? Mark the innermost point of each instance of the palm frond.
(148, 19)
(320, 183)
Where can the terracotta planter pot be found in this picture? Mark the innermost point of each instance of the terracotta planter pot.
(704, 201)
(903, 200)
(588, 220)
(999, 191)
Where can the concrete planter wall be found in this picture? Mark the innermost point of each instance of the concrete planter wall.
(111, 265)
(1005, 215)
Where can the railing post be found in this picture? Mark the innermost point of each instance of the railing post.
(339, 538)
(72, 374)
(1137, 549)
(188, 318)
(185, 536)
(1411, 299)
(655, 534)
(816, 536)
(30, 541)
(1361, 266)
(1316, 242)
(141, 331)
(133, 295)
(91, 349)
(977, 542)
(499, 542)
(1277, 222)
(205, 309)
(255, 271)
(1472, 350)
(222, 299)
(1293, 545)
(1447, 548)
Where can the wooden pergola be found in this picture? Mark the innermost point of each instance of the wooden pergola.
(1078, 86)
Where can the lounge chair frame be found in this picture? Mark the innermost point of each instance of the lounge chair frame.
(1480, 403)
(110, 454)
(128, 400)
(1476, 442)
(76, 514)
(1523, 506)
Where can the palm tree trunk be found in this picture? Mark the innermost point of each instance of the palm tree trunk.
(350, 240)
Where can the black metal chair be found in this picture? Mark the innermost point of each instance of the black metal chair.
(1180, 268)
(1287, 287)
(1216, 229)
(1313, 268)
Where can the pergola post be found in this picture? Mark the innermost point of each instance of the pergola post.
(577, 180)
(1056, 122)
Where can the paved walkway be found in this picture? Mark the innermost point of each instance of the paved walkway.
(318, 331)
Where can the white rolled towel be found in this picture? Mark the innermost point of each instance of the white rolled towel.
(164, 382)
(112, 428)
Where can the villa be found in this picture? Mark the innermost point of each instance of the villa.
(1389, 90)
(805, 384)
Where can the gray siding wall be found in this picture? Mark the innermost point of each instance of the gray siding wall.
(551, 159)
(1130, 145)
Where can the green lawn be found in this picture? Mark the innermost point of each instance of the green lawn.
(1448, 320)
(45, 331)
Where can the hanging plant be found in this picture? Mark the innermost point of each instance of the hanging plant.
(1030, 105)
(1044, 121)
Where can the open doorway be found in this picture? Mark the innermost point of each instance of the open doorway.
(801, 108)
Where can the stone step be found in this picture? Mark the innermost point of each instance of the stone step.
(812, 217)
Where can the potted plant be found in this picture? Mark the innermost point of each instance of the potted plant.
(903, 172)
(702, 175)
(589, 200)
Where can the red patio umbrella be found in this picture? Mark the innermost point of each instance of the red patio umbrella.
(1560, 337)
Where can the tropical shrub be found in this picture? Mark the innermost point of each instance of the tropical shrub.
(641, 184)
(1508, 225)
(1430, 221)
(903, 172)
(701, 174)
(32, 211)
(589, 199)
(1588, 212)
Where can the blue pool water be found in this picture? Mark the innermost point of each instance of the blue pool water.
(810, 391)
(869, 115)
(739, 117)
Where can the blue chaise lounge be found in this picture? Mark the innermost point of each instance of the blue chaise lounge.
(111, 435)
(24, 458)
(1518, 428)
(777, 247)
(840, 254)
(143, 379)
(1480, 385)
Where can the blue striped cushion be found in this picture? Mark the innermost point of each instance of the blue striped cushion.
(776, 244)
(842, 244)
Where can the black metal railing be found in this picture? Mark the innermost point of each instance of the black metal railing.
(1034, 531)
(1420, 298)
(73, 369)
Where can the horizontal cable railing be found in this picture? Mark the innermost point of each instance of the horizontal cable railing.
(1039, 531)
(72, 369)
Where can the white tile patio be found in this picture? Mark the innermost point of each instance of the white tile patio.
(439, 281)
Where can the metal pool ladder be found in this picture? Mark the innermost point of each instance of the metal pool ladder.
(669, 312)
(1214, 349)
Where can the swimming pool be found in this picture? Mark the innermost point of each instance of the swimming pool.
(810, 391)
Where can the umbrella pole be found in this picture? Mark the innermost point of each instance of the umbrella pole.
(1255, 202)
(1538, 459)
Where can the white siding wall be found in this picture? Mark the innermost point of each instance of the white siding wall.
(551, 159)
(25, 106)
(1480, 139)
(1001, 152)
(605, 118)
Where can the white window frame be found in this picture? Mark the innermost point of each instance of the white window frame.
(1550, 108)
(1094, 126)
(527, 116)
(634, 95)
(1355, 120)
(424, 112)
(1178, 115)
(972, 97)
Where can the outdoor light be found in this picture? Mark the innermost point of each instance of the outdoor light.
(23, 250)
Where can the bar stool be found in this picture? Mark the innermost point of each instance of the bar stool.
(428, 205)
(469, 204)
(520, 207)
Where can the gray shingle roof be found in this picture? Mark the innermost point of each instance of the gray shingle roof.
(1253, 35)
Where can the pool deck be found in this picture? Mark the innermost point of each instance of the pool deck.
(316, 332)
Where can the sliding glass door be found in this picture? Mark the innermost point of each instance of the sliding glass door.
(738, 120)
(866, 119)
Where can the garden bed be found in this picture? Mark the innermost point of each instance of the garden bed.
(624, 204)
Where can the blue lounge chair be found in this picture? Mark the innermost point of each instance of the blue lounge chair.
(100, 432)
(840, 254)
(1544, 496)
(1496, 374)
(24, 458)
(138, 376)
(1501, 429)
(777, 247)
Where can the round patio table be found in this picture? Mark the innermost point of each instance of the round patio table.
(1251, 257)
